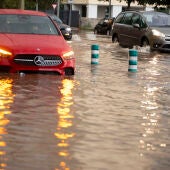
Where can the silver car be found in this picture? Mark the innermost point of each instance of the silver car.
(142, 28)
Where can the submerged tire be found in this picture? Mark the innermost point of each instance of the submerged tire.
(145, 42)
(115, 39)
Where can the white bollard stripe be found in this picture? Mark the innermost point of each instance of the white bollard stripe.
(95, 51)
(133, 58)
(132, 66)
(94, 60)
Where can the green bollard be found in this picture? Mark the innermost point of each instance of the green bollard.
(94, 54)
(133, 60)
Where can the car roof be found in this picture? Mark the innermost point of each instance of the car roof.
(131, 11)
(21, 11)
(155, 12)
(141, 12)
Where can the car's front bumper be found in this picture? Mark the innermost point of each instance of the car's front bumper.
(162, 44)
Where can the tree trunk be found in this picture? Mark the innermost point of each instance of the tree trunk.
(22, 4)
(129, 2)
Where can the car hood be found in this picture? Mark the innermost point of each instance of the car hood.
(33, 44)
(165, 30)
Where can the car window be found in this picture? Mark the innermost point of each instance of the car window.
(27, 24)
(128, 18)
(119, 18)
(143, 23)
(136, 19)
(157, 19)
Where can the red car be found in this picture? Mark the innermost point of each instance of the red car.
(31, 42)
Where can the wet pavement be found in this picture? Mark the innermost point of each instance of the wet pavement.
(102, 118)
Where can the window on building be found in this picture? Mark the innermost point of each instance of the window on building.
(84, 11)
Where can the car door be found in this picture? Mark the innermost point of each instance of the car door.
(125, 28)
(138, 29)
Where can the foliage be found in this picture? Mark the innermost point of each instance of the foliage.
(155, 2)
(9, 4)
(144, 2)
(128, 2)
(47, 4)
(29, 4)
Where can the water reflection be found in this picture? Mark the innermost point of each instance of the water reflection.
(56, 126)
(65, 122)
(6, 99)
(151, 107)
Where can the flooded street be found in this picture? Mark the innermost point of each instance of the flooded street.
(102, 118)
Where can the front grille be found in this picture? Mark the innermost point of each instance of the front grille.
(167, 38)
(38, 60)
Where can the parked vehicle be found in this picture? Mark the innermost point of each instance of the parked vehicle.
(142, 28)
(65, 29)
(104, 26)
(31, 42)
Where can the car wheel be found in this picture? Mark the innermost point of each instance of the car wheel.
(115, 39)
(145, 42)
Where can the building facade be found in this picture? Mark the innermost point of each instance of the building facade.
(93, 10)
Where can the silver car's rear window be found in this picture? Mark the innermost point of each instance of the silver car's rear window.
(27, 24)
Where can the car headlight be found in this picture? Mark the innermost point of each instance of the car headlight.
(5, 53)
(158, 34)
(68, 55)
(68, 29)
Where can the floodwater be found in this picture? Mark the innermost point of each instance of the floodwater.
(102, 118)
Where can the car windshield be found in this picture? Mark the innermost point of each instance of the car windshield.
(27, 24)
(157, 19)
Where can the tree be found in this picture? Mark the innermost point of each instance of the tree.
(29, 4)
(9, 4)
(150, 2)
(155, 2)
(128, 2)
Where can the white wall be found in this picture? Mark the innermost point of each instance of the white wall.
(101, 11)
(77, 8)
(149, 9)
(91, 11)
(116, 9)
